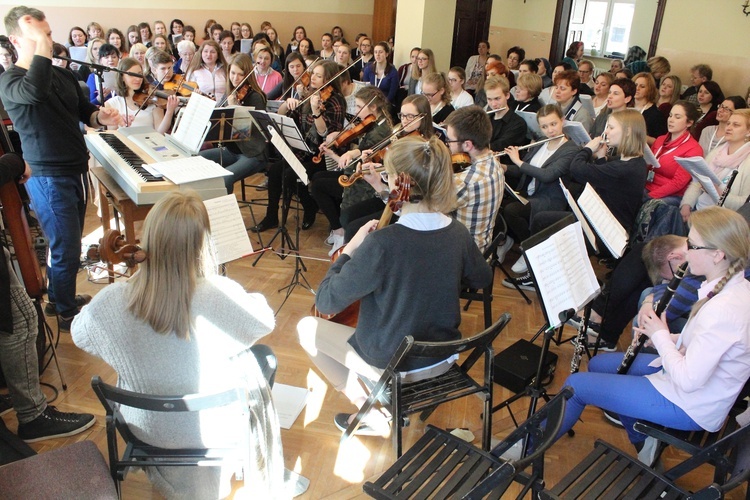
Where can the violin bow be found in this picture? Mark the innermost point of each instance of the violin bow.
(307, 70)
(148, 98)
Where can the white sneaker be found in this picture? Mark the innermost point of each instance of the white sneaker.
(647, 455)
(503, 249)
(338, 242)
(520, 266)
(329, 240)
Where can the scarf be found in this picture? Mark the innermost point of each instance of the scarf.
(722, 158)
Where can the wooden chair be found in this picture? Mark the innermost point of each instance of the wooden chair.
(441, 465)
(424, 396)
(610, 473)
(140, 454)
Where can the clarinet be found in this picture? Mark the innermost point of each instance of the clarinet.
(579, 342)
(634, 349)
(726, 189)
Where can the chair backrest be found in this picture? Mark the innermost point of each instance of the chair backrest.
(109, 394)
(736, 445)
(479, 343)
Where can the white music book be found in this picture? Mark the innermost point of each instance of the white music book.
(246, 44)
(531, 123)
(228, 232)
(588, 104)
(702, 173)
(563, 272)
(289, 401)
(577, 212)
(288, 155)
(648, 155)
(186, 170)
(576, 132)
(194, 122)
(606, 225)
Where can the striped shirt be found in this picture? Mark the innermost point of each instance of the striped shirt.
(480, 191)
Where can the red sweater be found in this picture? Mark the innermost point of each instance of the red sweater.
(671, 179)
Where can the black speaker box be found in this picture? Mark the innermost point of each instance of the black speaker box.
(515, 367)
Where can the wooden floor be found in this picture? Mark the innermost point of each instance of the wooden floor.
(311, 446)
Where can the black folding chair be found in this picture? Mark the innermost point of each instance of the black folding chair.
(425, 395)
(441, 465)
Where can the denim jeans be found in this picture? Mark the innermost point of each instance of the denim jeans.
(18, 357)
(631, 396)
(240, 165)
(60, 206)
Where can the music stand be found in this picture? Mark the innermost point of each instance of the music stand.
(281, 140)
(556, 249)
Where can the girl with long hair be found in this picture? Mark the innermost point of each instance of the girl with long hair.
(209, 70)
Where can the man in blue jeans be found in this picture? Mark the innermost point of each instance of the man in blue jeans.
(46, 105)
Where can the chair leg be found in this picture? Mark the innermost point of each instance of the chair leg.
(487, 299)
(396, 416)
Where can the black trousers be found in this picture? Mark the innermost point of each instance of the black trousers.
(280, 174)
(328, 193)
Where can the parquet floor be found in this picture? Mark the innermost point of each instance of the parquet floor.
(311, 446)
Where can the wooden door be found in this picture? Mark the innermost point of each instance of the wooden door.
(472, 25)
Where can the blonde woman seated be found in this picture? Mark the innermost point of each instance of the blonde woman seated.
(209, 70)
(669, 93)
(715, 135)
(342, 353)
(198, 341)
(147, 115)
(734, 154)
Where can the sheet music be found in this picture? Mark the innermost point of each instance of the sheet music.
(289, 401)
(193, 126)
(605, 224)
(290, 131)
(194, 168)
(531, 123)
(227, 229)
(577, 212)
(701, 172)
(563, 272)
(272, 106)
(648, 155)
(588, 104)
(288, 155)
(576, 132)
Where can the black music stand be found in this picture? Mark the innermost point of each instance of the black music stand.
(567, 305)
(282, 143)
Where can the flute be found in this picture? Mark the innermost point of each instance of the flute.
(661, 306)
(521, 148)
(490, 111)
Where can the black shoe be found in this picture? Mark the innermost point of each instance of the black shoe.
(604, 346)
(63, 324)
(81, 300)
(613, 417)
(265, 225)
(6, 404)
(525, 282)
(308, 220)
(53, 424)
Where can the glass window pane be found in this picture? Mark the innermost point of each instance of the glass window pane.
(619, 30)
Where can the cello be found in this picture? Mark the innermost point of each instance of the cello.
(396, 199)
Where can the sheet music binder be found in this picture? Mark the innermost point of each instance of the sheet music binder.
(563, 274)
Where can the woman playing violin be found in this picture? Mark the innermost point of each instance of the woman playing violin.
(387, 270)
(316, 118)
(208, 70)
(135, 115)
(373, 122)
(247, 157)
(354, 215)
(295, 66)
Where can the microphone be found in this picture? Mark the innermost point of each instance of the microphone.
(565, 315)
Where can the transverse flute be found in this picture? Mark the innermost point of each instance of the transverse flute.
(521, 148)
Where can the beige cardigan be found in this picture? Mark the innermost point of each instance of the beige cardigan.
(737, 195)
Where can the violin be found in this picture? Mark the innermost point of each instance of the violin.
(183, 88)
(378, 153)
(150, 95)
(460, 162)
(303, 79)
(396, 198)
(345, 137)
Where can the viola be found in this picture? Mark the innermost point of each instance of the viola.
(396, 198)
(349, 135)
(460, 162)
(113, 249)
(377, 155)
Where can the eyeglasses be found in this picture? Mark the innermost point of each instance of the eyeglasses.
(726, 108)
(584, 72)
(429, 96)
(691, 246)
(407, 116)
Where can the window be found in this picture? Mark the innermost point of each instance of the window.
(606, 25)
